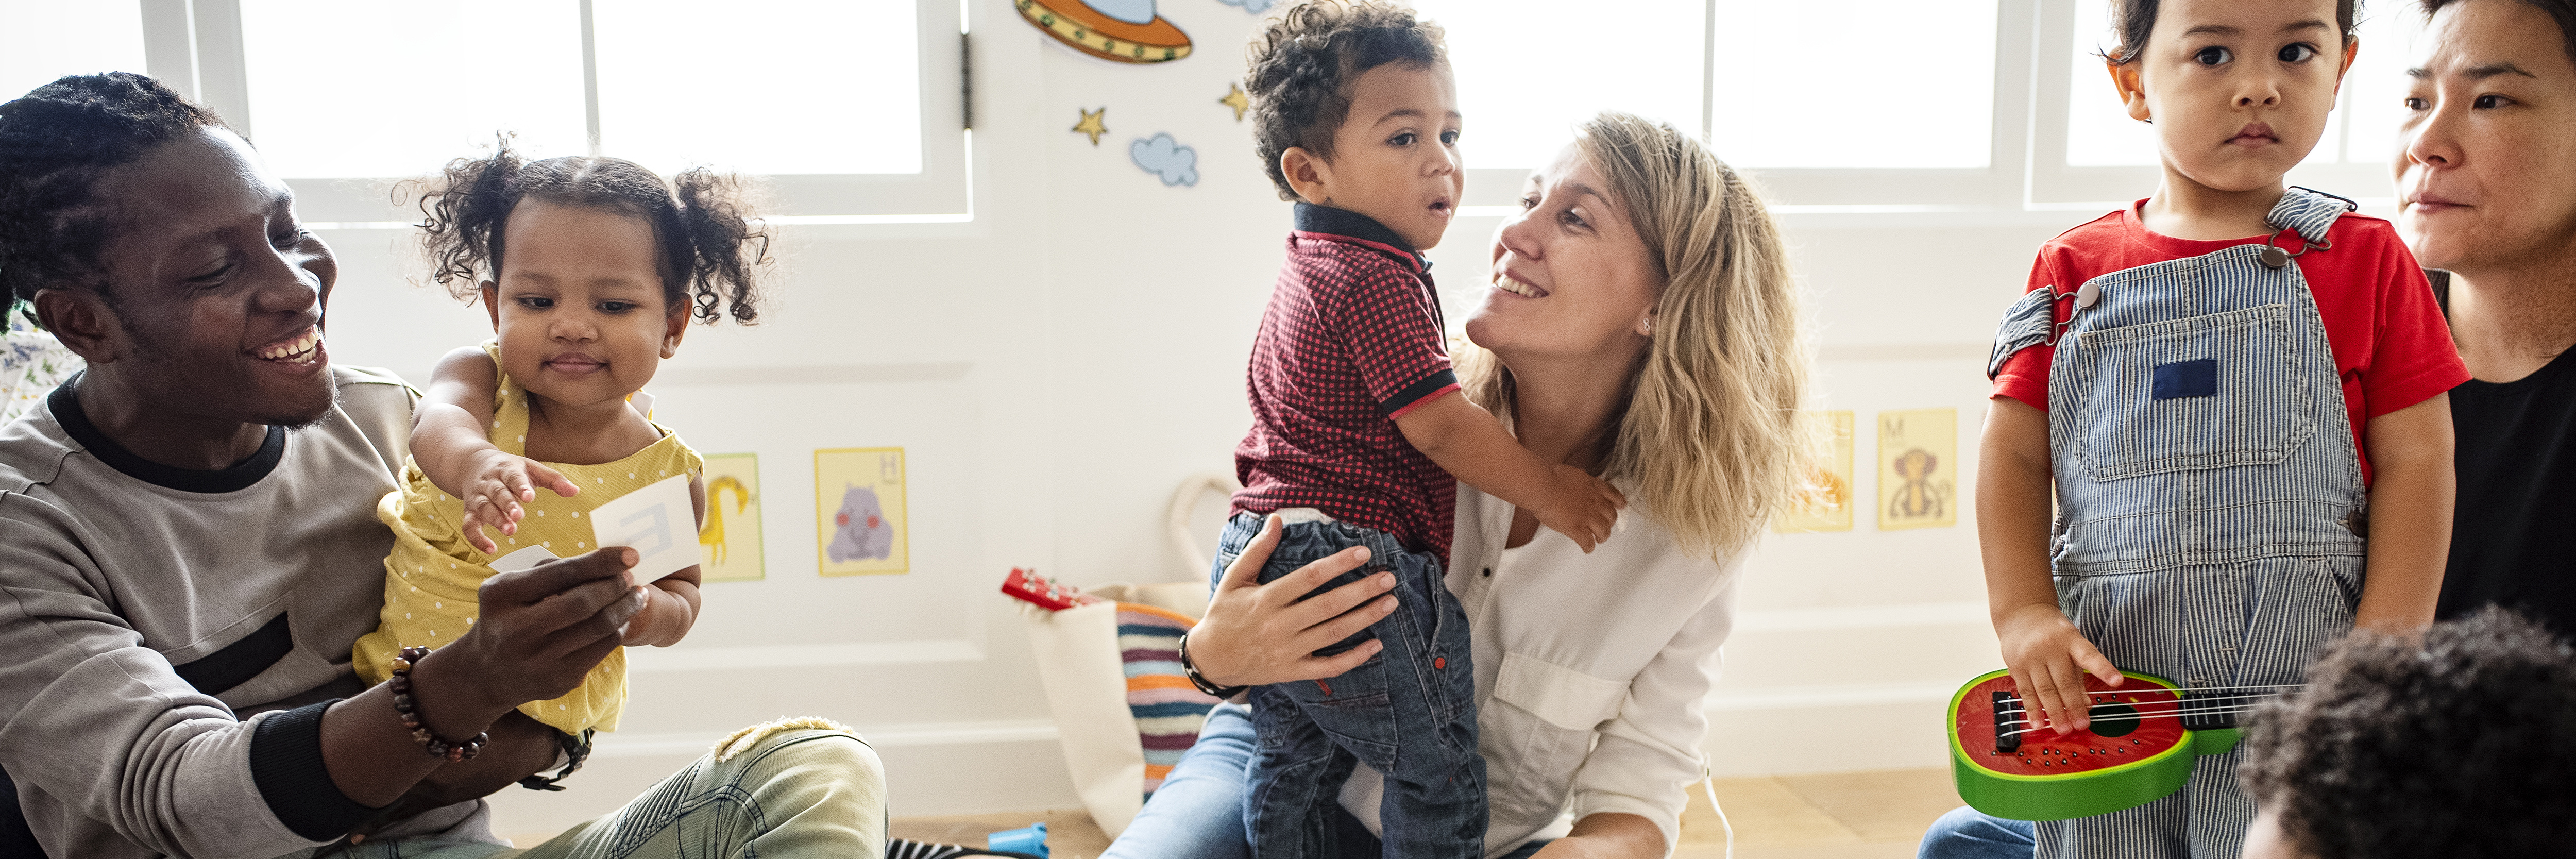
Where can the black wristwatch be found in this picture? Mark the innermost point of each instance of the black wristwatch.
(1221, 693)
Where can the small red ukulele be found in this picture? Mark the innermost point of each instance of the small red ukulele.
(2139, 748)
(1028, 586)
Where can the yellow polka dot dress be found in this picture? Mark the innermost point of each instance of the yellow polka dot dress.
(432, 575)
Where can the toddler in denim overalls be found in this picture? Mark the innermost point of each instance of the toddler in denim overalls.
(2219, 397)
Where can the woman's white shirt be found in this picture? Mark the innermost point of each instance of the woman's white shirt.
(1592, 671)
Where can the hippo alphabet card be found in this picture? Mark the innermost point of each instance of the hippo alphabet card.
(858, 499)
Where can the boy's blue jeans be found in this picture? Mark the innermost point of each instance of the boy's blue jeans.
(1409, 712)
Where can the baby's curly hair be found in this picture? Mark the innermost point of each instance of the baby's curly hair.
(2459, 745)
(713, 254)
(1302, 64)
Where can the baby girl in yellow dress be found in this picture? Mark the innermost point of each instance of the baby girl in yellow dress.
(605, 265)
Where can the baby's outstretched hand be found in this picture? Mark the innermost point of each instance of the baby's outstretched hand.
(1583, 507)
(496, 484)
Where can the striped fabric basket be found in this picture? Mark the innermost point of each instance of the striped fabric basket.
(1168, 710)
(1124, 712)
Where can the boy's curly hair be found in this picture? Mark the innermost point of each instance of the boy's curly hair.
(55, 143)
(712, 253)
(1303, 61)
(2460, 745)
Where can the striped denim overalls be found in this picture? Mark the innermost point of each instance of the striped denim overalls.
(2209, 499)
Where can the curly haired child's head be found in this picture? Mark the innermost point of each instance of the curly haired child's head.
(711, 254)
(2457, 745)
(1302, 64)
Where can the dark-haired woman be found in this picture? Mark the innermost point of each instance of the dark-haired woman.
(189, 544)
(2486, 191)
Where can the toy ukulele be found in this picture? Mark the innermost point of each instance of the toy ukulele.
(2140, 747)
(1027, 586)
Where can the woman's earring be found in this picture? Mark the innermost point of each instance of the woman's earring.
(1650, 325)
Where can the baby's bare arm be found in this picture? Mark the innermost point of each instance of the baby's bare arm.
(451, 442)
(2411, 496)
(455, 415)
(1472, 446)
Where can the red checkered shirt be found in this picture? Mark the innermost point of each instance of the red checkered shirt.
(1352, 339)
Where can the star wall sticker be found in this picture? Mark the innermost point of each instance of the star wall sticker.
(1235, 98)
(1091, 124)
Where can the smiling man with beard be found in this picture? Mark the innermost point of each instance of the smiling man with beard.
(189, 547)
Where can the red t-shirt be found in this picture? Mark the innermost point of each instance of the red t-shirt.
(2391, 345)
(1351, 340)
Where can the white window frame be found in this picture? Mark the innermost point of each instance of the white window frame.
(2026, 165)
(196, 48)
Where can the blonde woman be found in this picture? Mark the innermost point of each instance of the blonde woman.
(1641, 325)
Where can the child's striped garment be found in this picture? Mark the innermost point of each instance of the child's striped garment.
(1168, 710)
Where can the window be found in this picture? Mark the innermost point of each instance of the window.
(338, 90)
(1822, 85)
(46, 39)
(1804, 93)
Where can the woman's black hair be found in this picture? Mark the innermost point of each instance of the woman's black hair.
(55, 143)
(2461, 744)
(2561, 11)
(1304, 60)
(712, 254)
(2134, 20)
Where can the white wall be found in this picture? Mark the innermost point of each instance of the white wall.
(1056, 366)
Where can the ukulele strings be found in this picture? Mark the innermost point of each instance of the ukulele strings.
(2231, 707)
(2141, 718)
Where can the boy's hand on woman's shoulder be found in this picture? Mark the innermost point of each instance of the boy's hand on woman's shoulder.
(1582, 507)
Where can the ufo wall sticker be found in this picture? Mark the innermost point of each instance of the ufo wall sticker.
(1127, 31)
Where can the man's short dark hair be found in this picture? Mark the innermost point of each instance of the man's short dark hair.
(55, 143)
(2461, 745)
(2561, 11)
(1304, 60)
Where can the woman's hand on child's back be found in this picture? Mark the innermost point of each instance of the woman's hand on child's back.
(2049, 657)
(1580, 506)
(494, 484)
(1256, 634)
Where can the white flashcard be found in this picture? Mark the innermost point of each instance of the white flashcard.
(522, 559)
(658, 522)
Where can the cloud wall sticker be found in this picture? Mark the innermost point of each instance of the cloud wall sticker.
(1166, 158)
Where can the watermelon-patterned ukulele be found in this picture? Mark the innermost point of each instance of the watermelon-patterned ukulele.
(2140, 747)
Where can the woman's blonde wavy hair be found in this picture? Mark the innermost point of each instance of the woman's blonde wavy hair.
(1710, 433)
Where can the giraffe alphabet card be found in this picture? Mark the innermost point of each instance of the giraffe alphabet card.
(1824, 502)
(858, 499)
(1918, 468)
(731, 537)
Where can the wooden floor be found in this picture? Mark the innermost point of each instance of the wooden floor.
(1865, 815)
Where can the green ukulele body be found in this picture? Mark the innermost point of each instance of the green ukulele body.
(2140, 748)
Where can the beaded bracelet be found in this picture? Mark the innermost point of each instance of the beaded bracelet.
(410, 713)
(1191, 670)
